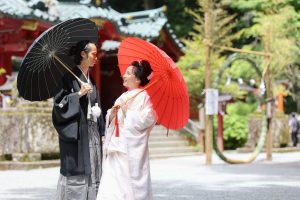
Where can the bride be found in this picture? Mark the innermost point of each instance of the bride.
(126, 171)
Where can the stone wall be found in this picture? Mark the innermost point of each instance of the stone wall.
(27, 131)
(279, 128)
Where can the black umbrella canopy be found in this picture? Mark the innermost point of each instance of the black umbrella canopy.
(42, 69)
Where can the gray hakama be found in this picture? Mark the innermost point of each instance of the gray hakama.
(84, 187)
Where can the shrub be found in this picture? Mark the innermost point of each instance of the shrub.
(235, 124)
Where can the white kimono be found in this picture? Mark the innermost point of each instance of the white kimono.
(126, 170)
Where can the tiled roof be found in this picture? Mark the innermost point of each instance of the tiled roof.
(110, 45)
(17, 7)
(145, 24)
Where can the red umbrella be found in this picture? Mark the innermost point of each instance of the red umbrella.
(167, 88)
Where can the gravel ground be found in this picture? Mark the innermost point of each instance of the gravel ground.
(184, 178)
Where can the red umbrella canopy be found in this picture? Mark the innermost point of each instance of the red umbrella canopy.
(168, 93)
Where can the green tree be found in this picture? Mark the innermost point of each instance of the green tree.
(256, 19)
(192, 63)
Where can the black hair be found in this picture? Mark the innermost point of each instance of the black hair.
(78, 48)
(142, 70)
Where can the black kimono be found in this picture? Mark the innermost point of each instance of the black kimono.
(79, 138)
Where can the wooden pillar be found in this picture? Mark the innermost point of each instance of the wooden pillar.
(269, 116)
(220, 140)
(268, 79)
(202, 126)
(208, 118)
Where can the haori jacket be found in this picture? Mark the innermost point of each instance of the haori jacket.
(69, 118)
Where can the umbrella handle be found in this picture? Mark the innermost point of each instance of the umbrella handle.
(67, 68)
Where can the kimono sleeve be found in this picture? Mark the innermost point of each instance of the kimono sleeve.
(66, 115)
(142, 118)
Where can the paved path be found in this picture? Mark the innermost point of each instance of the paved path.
(185, 178)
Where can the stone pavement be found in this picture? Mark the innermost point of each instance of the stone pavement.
(186, 178)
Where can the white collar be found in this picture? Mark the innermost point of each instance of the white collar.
(88, 74)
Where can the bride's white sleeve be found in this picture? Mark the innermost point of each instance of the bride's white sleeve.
(141, 118)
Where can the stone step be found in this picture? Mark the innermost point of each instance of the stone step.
(175, 143)
(162, 130)
(166, 150)
(158, 133)
(162, 145)
(164, 135)
(160, 127)
(163, 138)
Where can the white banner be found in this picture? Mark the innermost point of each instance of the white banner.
(211, 101)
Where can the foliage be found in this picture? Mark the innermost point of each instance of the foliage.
(240, 108)
(234, 90)
(235, 124)
(242, 69)
(283, 49)
(255, 15)
(192, 63)
(192, 67)
(181, 21)
(238, 69)
(289, 104)
(235, 131)
(256, 21)
(280, 89)
(222, 23)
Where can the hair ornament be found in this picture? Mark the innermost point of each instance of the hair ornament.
(150, 76)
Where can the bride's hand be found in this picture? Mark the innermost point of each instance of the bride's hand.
(119, 105)
(112, 114)
(124, 107)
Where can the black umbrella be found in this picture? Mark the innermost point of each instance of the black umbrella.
(47, 59)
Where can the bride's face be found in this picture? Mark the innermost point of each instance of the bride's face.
(130, 80)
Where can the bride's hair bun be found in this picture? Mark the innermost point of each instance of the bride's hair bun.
(142, 70)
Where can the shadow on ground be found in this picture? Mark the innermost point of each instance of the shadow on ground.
(28, 194)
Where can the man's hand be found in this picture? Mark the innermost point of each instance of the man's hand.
(85, 88)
